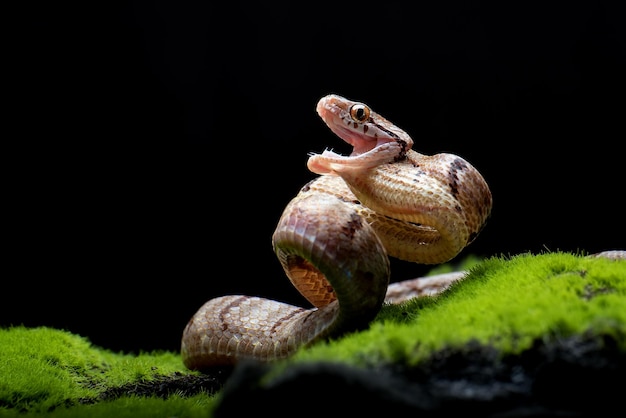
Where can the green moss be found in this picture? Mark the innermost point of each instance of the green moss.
(49, 371)
(506, 303)
(197, 406)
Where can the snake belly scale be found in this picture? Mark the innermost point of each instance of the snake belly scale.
(335, 237)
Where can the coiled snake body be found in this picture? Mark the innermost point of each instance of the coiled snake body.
(334, 238)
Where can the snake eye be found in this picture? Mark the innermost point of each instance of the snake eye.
(359, 112)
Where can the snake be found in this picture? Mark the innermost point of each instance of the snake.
(334, 239)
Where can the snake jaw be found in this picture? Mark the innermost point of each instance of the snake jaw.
(330, 162)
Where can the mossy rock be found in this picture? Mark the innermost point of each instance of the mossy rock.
(50, 372)
(529, 335)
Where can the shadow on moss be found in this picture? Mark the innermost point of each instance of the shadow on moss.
(183, 385)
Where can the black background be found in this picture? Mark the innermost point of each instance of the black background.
(157, 143)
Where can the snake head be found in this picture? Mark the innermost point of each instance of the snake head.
(374, 139)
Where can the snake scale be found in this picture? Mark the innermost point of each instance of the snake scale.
(335, 237)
